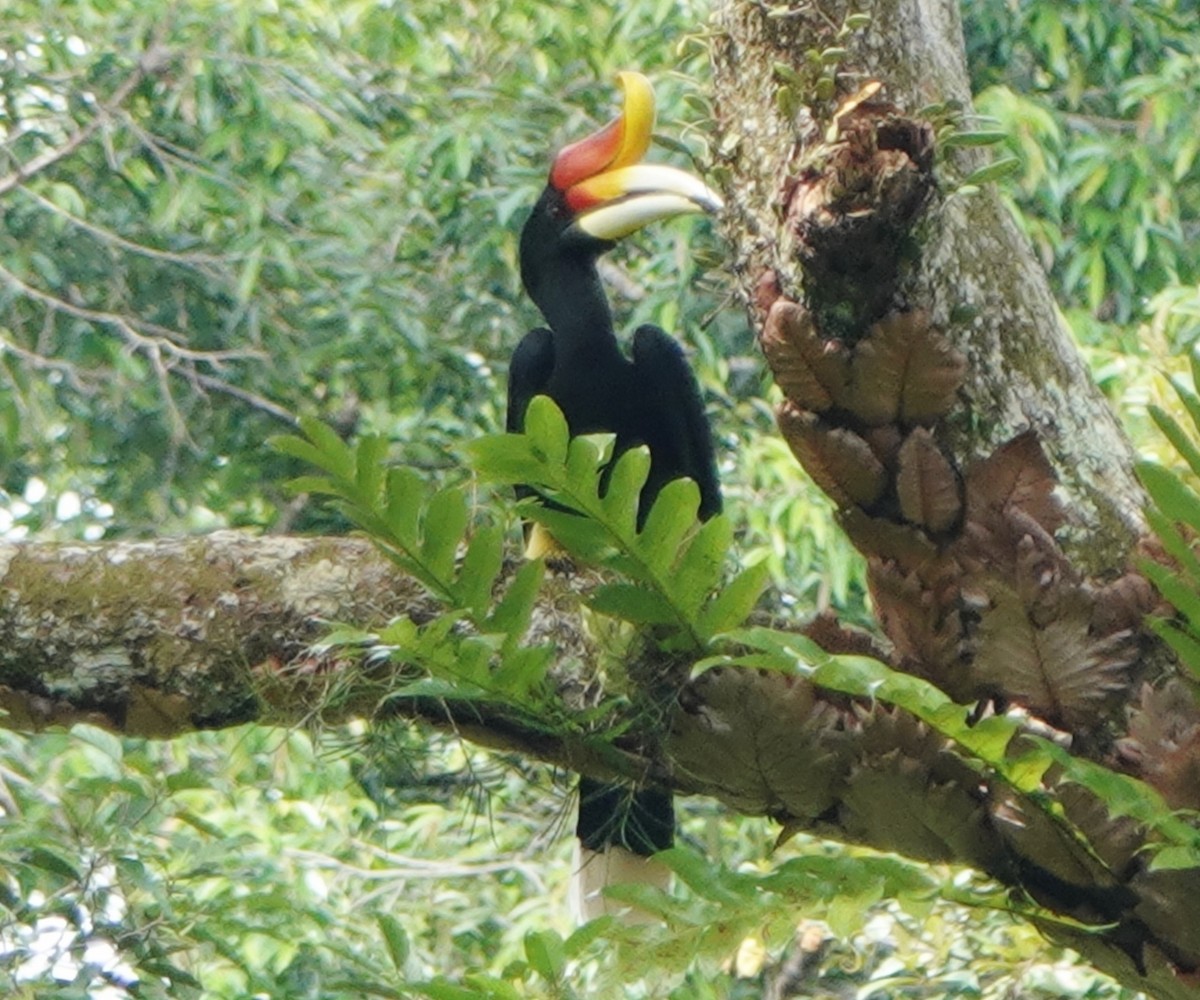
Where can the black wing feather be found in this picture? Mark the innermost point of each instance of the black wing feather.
(677, 429)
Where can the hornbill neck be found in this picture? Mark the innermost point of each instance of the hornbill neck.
(576, 309)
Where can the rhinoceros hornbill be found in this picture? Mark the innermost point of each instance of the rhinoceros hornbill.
(599, 192)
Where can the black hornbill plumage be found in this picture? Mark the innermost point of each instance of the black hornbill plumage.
(597, 193)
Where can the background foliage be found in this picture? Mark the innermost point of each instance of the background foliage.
(312, 210)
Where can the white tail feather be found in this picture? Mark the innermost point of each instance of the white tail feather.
(594, 871)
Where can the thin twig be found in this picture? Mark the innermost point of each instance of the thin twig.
(246, 396)
(150, 61)
(141, 334)
(40, 362)
(194, 260)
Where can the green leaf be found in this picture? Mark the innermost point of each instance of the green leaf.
(980, 138)
(1177, 436)
(736, 600)
(305, 451)
(1182, 594)
(1183, 642)
(49, 861)
(314, 484)
(635, 603)
(396, 939)
(578, 942)
(522, 671)
(670, 519)
(513, 613)
(626, 478)
(443, 526)
(1173, 498)
(1174, 859)
(996, 171)
(404, 497)
(337, 456)
(369, 467)
(585, 539)
(583, 461)
(1188, 397)
(1177, 547)
(546, 430)
(545, 953)
(699, 571)
(480, 567)
(440, 989)
(709, 879)
(504, 458)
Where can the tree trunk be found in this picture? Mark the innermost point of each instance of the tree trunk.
(933, 392)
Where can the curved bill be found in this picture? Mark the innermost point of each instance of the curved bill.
(618, 202)
(621, 142)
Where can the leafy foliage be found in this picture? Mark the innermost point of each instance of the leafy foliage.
(672, 566)
(1096, 102)
(1175, 518)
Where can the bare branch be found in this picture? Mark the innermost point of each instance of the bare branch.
(197, 261)
(251, 399)
(141, 334)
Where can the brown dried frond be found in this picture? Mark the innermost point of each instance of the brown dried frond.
(927, 485)
(1016, 475)
(812, 372)
(904, 370)
(1164, 742)
(837, 459)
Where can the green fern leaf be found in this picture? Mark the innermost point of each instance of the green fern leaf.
(522, 671)
(582, 466)
(585, 539)
(480, 567)
(730, 608)
(1177, 547)
(1188, 397)
(513, 613)
(546, 430)
(671, 518)
(402, 509)
(1173, 498)
(625, 481)
(369, 467)
(314, 484)
(632, 602)
(443, 527)
(1183, 641)
(305, 451)
(337, 457)
(1176, 434)
(699, 570)
(503, 458)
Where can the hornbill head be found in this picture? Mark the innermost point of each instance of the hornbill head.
(599, 191)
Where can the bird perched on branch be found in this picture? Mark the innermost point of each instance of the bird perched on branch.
(598, 192)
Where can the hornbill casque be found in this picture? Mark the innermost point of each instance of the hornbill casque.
(599, 192)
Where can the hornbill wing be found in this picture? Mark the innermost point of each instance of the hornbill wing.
(528, 375)
(682, 444)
